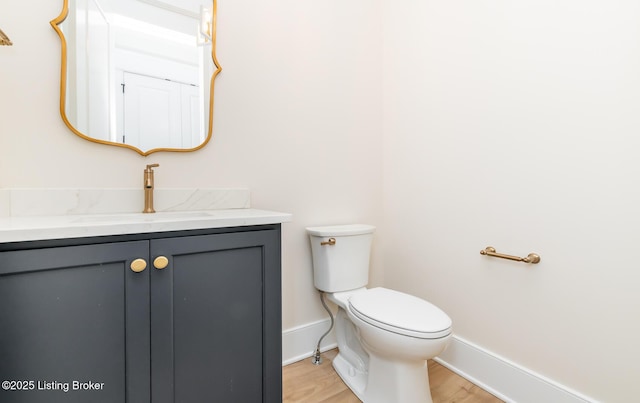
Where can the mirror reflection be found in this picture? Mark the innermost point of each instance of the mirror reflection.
(139, 73)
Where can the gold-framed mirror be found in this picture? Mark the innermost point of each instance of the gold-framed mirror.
(4, 39)
(139, 74)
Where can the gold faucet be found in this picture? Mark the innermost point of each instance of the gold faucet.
(148, 188)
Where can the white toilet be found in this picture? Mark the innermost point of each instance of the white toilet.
(385, 337)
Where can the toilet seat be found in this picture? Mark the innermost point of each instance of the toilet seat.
(400, 313)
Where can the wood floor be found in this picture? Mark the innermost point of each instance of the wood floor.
(308, 383)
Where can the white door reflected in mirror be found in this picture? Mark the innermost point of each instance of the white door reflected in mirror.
(159, 113)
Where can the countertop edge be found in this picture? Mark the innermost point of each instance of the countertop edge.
(22, 229)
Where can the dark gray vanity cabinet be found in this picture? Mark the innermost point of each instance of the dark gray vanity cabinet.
(205, 328)
(74, 314)
(216, 319)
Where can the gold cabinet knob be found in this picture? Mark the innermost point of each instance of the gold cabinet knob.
(160, 262)
(138, 265)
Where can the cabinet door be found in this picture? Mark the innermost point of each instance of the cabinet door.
(216, 321)
(74, 324)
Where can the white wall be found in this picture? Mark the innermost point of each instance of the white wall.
(297, 121)
(515, 124)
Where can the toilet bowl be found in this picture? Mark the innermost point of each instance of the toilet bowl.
(385, 337)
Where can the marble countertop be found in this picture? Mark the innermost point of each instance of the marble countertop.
(19, 229)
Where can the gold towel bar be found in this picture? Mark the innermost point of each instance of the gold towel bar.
(491, 251)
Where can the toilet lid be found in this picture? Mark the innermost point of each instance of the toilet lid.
(400, 313)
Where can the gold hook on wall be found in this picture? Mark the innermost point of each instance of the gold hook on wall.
(4, 39)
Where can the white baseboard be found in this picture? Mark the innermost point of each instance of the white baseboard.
(300, 342)
(502, 378)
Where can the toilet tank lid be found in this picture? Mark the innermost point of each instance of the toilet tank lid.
(341, 230)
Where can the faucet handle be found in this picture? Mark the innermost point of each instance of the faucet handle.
(148, 175)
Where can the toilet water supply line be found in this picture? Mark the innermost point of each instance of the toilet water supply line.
(317, 359)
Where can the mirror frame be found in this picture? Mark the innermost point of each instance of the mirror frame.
(63, 86)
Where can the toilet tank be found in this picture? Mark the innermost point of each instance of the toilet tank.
(343, 265)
